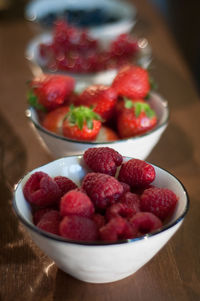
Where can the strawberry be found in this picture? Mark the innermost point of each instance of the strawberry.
(53, 120)
(132, 81)
(137, 119)
(106, 134)
(124, 102)
(101, 98)
(81, 123)
(52, 91)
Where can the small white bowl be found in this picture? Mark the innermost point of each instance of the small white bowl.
(38, 64)
(99, 262)
(137, 147)
(125, 12)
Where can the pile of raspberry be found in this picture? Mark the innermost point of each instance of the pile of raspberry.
(73, 49)
(116, 200)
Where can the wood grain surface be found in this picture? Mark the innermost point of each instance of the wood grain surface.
(25, 272)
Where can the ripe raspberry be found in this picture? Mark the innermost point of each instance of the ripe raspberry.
(41, 190)
(50, 222)
(38, 214)
(159, 201)
(78, 228)
(76, 203)
(103, 160)
(126, 187)
(132, 201)
(145, 222)
(117, 228)
(65, 184)
(103, 190)
(118, 209)
(99, 220)
(136, 173)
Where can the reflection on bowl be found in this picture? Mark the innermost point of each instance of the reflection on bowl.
(104, 19)
(99, 262)
(138, 147)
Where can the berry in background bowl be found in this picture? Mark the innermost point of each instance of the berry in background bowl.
(126, 115)
(109, 234)
(104, 19)
(74, 51)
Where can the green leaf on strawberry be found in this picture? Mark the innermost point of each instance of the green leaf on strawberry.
(139, 107)
(79, 115)
(33, 101)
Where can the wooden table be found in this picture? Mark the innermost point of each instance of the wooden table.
(26, 273)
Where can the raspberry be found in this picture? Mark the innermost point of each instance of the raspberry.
(126, 187)
(132, 201)
(99, 220)
(78, 228)
(137, 173)
(41, 190)
(50, 222)
(159, 201)
(118, 209)
(117, 228)
(76, 203)
(38, 214)
(103, 160)
(65, 184)
(103, 190)
(145, 222)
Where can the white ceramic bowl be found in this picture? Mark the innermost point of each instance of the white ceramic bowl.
(38, 64)
(125, 12)
(98, 262)
(138, 147)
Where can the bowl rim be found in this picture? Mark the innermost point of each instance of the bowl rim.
(30, 109)
(57, 238)
(128, 18)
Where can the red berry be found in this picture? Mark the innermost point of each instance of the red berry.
(41, 190)
(136, 120)
(38, 214)
(50, 222)
(76, 203)
(99, 220)
(126, 187)
(78, 228)
(132, 201)
(106, 134)
(145, 222)
(53, 120)
(117, 228)
(137, 173)
(81, 123)
(118, 209)
(159, 201)
(65, 184)
(102, 189)
(101, 98)
(52, 90)
(103, 160)
(132, 82)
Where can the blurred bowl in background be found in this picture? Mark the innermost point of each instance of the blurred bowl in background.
(104, 19)
(37, 64)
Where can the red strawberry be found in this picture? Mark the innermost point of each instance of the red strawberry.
(53, 120)
(132, 82)
(101, 97)
(137, 119)
(125, 103)
(52, 90)
(81, 123)
(106, 134)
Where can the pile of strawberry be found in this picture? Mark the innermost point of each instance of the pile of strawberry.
(120, 110)
(72, 49)
(108, 206)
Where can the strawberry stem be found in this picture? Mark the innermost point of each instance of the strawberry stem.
(80, 115)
